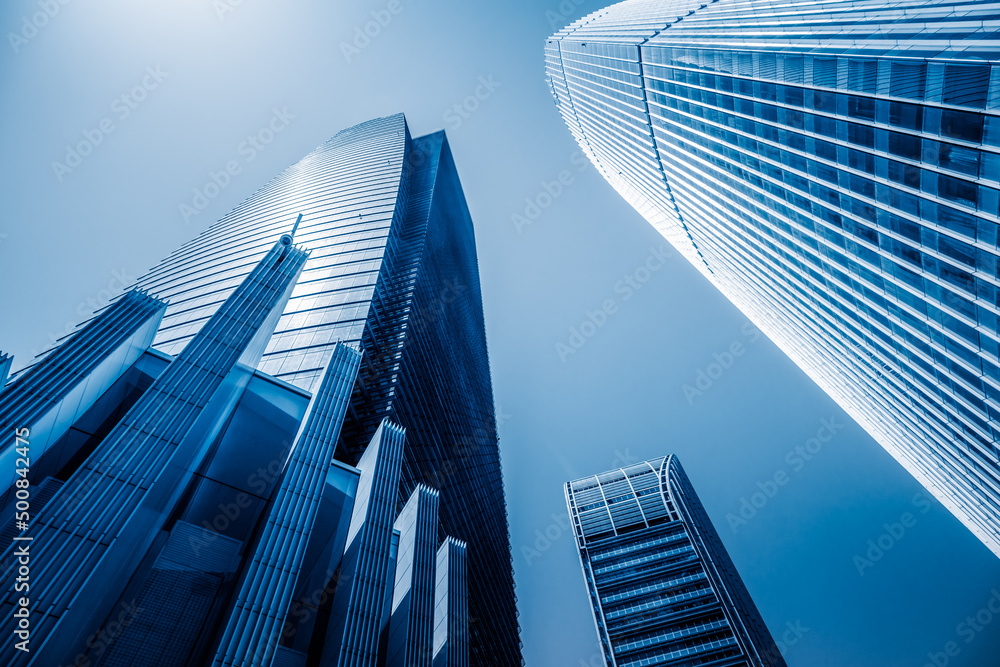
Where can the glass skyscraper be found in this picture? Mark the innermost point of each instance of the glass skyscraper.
(834, 169)
(221, 459)
(662, 587)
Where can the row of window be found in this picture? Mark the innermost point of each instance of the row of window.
(950, 322)
(965, 85)
(745, 149)
(968, 126)
(960, 159)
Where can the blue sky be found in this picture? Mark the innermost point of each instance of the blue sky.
(169, 91)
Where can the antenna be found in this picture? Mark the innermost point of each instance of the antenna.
(288, 239)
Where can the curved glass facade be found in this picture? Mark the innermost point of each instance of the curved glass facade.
(663, 588)
(835, 171)
(379, 329)
(393, 272)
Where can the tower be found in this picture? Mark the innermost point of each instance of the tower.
(362, 376)
(834, 170)
(662, 587)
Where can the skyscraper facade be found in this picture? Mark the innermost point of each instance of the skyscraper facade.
(224, 451)
(662, 586)
(834, 169)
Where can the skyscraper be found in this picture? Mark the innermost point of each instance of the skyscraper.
(257, 414)
(662, 586)
(834, 169)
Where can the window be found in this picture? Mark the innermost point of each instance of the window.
(825, 126)
(767, 112)
(825, 72)
(992, 131)
(823, 172)
(908, 116)
(958, 250)
(862, 186)
(966, 85)
(962, 125)
(960, 159)
(956, 221)
(794, 68)
(792, 118)
(904, 227)
(907, 80)
(861, 161)
(790, 95)
(904, 145)
(862, 75)
(767, 64)
(956, 277)
(744, 64)
(903, 201)
(905, 174)
(825, 101)
(861, 135)
(861, 107)
(957, 190)
(826, 150)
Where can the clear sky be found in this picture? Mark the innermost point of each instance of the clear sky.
(200, 76)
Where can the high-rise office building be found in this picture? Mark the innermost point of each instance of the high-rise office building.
(220, 457)
(834, 169)
(662, 587)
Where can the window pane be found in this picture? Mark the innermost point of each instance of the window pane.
(966, 85)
